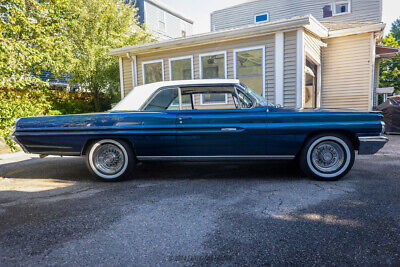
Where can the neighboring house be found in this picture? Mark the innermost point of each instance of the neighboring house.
(298, 62)
(54, 82)
(270, 10)
(164, 21)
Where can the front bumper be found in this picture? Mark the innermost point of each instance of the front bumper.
(371, 144)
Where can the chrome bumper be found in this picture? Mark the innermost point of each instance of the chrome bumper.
(371, 144)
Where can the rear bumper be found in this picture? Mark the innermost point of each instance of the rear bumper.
(371, 144)
(15, 139)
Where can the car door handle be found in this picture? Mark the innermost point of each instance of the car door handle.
(185, 118)
(181, 119)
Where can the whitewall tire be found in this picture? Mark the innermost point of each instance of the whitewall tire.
(110, 160)
(327, 157)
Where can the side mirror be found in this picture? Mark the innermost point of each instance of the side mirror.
(278, 106)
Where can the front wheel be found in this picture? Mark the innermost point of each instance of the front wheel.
(110, 160)
(327, 157)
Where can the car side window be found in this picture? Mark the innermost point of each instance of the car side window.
(210, 97)
(163, 100)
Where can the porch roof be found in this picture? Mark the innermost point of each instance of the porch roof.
(322, 29)
(308, 22)
(386, 51)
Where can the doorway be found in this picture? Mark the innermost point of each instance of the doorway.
(311, 87)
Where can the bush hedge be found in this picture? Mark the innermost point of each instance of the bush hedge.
(15, 104)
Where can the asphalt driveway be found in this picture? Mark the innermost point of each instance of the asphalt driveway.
(53, 213)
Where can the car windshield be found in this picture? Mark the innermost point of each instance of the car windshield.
(260, 100)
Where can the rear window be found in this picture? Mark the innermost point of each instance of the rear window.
(163, 100)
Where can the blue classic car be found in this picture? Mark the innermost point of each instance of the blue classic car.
(204, 120)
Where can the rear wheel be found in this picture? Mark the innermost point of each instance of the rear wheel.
(327, 157)
(110, 160)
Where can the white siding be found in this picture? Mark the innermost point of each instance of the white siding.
(240, 15)
(173, 24)
(313, 46)
(290, 72)
(347, 72)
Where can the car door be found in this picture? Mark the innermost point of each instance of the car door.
(158, 130)
(221, 129)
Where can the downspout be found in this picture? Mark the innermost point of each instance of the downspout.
(134, 70)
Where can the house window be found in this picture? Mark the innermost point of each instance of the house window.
(261, 17)
(249, 67)
(153, 71)
(342, 7)
(213, 66)
(181, 68)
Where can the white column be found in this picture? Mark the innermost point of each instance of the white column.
(279, 67)
(300, 69)
(121, 77)
(134, 72)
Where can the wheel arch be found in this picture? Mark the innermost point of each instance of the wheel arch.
(91, 141)
(347, 133)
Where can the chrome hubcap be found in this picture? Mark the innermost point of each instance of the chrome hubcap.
(108, 159)
(328, 157)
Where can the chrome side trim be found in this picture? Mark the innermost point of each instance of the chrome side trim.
(228, 129)
(210, 158)
(373, 139)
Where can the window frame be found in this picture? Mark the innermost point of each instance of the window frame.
(225, 53)
(244, 49)
(334, 4)
(144, 63)
(261, 14)
(181, 58)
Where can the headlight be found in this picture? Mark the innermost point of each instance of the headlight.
(383, 127)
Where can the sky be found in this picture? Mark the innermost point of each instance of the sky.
(199, 11)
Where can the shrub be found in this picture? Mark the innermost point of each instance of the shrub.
(15, 104)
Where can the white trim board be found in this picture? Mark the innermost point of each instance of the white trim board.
(180, 58)
(279, 67)
(121, 77)
(300, 68)
(150, 62)
(134, 69)
(235, 51)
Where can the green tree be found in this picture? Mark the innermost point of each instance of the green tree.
(395, 30)
(101, 25)
(32, 38)
(390, 68)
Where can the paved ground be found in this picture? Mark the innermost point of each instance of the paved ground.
(52, 213)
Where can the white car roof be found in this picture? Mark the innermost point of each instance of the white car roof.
(138, 96)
